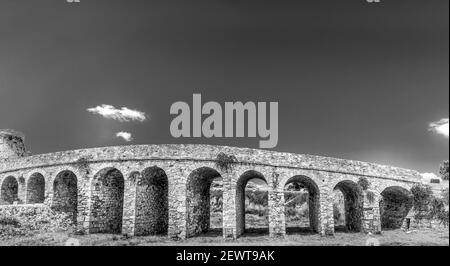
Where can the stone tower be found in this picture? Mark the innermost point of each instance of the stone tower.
(12, 144)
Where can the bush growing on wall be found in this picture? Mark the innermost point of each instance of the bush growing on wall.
(83, 165)
(9, 221)
(27, 220)
(364, 183)
(370, 196)
(225, 162)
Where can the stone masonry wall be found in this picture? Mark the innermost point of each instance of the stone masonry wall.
(115, 192)
(152, 203)
(107, 202)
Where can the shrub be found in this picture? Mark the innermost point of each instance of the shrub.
(363, 183)
(11, 227)
(9, 221)
(422, 195)
(21, 180)
(225, 162)
(370, 196)
(438, 211)
(291, 212)
(83, 165)
(427, 206)
(258, 197)
(79, 233)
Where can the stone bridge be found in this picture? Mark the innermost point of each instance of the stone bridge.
(165, 189)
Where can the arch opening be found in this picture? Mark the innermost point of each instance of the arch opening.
(152, 204)
(107, 202)
(9, 191)
(395, 205)
(351, 203)
(36, 189)
(198, 202)
(339, 209)
(252, 200)
(65, 194)
(302, 205)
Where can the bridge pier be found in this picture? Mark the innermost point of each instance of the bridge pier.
(229, 206)
(177, 203)
(371, 214)
(84, 204)
(277, 223)
(129, 204)
(326, 212)
(22, 191)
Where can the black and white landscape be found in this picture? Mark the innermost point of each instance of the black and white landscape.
(224, 121)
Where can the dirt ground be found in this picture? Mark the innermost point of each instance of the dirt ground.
(255, 238)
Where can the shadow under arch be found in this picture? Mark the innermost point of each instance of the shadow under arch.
(36, 189)
(198, 200)
(65, 193)
(107, 195)
(152, 202)
(353, 205)
(293, 195)
(9, 191)
(395, 204)
(240, 201)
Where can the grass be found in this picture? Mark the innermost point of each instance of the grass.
(255, 237)
(297, 229)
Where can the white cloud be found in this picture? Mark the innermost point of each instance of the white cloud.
(440, 127)
(426, 177)
(125, 136)
(123, 115)
(429, 175)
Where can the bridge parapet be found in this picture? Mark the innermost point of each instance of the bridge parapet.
(209, 153)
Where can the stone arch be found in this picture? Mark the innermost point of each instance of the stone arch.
(36, 189)
(9, 191)
(152, 205)
(240, 198)
(65, 193)
(216, 205)
(395, 204)
(198, 195)
(301, 182)
(353, 205)
(107, 196)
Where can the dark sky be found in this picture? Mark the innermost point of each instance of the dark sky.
(353, 80)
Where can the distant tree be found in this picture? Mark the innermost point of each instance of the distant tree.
(422, 199)
(444, 170)
(428, 206)
(445, 196)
